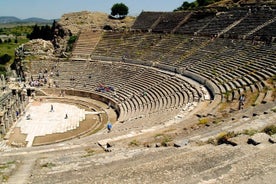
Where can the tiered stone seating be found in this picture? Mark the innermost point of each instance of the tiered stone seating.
(253, 20)
(227, 63)
(231, 66)
(109, 41)
(233, 69)
(139, 91)
(196, 22)
(267, 31)
(146, 20)
(222, 21)
(169, 20)
(86, 43)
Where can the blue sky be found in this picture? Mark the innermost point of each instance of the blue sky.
(51, 9)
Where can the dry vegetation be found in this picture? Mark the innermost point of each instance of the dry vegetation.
(95, 20)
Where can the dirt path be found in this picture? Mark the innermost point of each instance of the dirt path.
(23, 172)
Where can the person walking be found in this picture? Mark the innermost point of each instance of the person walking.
(109, 127)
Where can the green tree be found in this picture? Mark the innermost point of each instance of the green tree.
(4, 59)
(186, 5)
(119, 9)
(205, 2)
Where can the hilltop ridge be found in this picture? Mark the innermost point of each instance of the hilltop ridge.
(86, 20)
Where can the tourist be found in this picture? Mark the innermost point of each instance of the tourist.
(28, 117)
(52, 108)
(109, 126)
(66, 116)
(241, 101)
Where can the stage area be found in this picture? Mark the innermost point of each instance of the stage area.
(48, 122)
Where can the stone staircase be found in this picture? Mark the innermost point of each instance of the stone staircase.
(232, 25)
(86, 43)
(259, 27)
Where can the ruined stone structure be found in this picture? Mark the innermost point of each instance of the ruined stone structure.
(171, 88)
(13, 103)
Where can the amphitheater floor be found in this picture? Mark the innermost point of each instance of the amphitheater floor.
(44, 121)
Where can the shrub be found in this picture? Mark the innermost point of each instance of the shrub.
(4, 59)
(250, 132)
(203, 121)
(48, 165)
(270, 130)
(224, 136)
(134, 143)
(166, 140)
(71, 42)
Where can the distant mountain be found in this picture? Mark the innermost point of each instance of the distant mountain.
(36, 20)
(11, 19)
(8, 19)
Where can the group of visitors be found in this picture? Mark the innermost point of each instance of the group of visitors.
(40, 81)
(103, 88)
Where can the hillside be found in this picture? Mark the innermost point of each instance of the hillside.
(92, 20)
(8, 19)
(15, 20)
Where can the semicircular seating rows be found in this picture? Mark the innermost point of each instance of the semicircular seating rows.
(138, 91)
(209, 47)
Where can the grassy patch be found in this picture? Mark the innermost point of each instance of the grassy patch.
(158, 135)
(221, 138)
(5, 177)
(250, 132)
(252, 98)
(166, 140)
(7, 164)
(203, 121)
(163, 139)
(270, 130)
(227, 95)
(223, 106)
(226, 135)
(134, 143)
(89, 152)
(48, 165)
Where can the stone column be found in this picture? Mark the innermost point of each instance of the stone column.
(3, 81)
(6, 121)
(2, 125)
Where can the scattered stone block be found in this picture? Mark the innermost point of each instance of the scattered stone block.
(209, 114)
(226, 141)
(148, 145)
(107, 150)
(255, 114)
(240, 139)
(181, 143)
(260, 137)
(109, 145)
(199, 116)
(270, 140)
(157, 145)
(251, 141)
